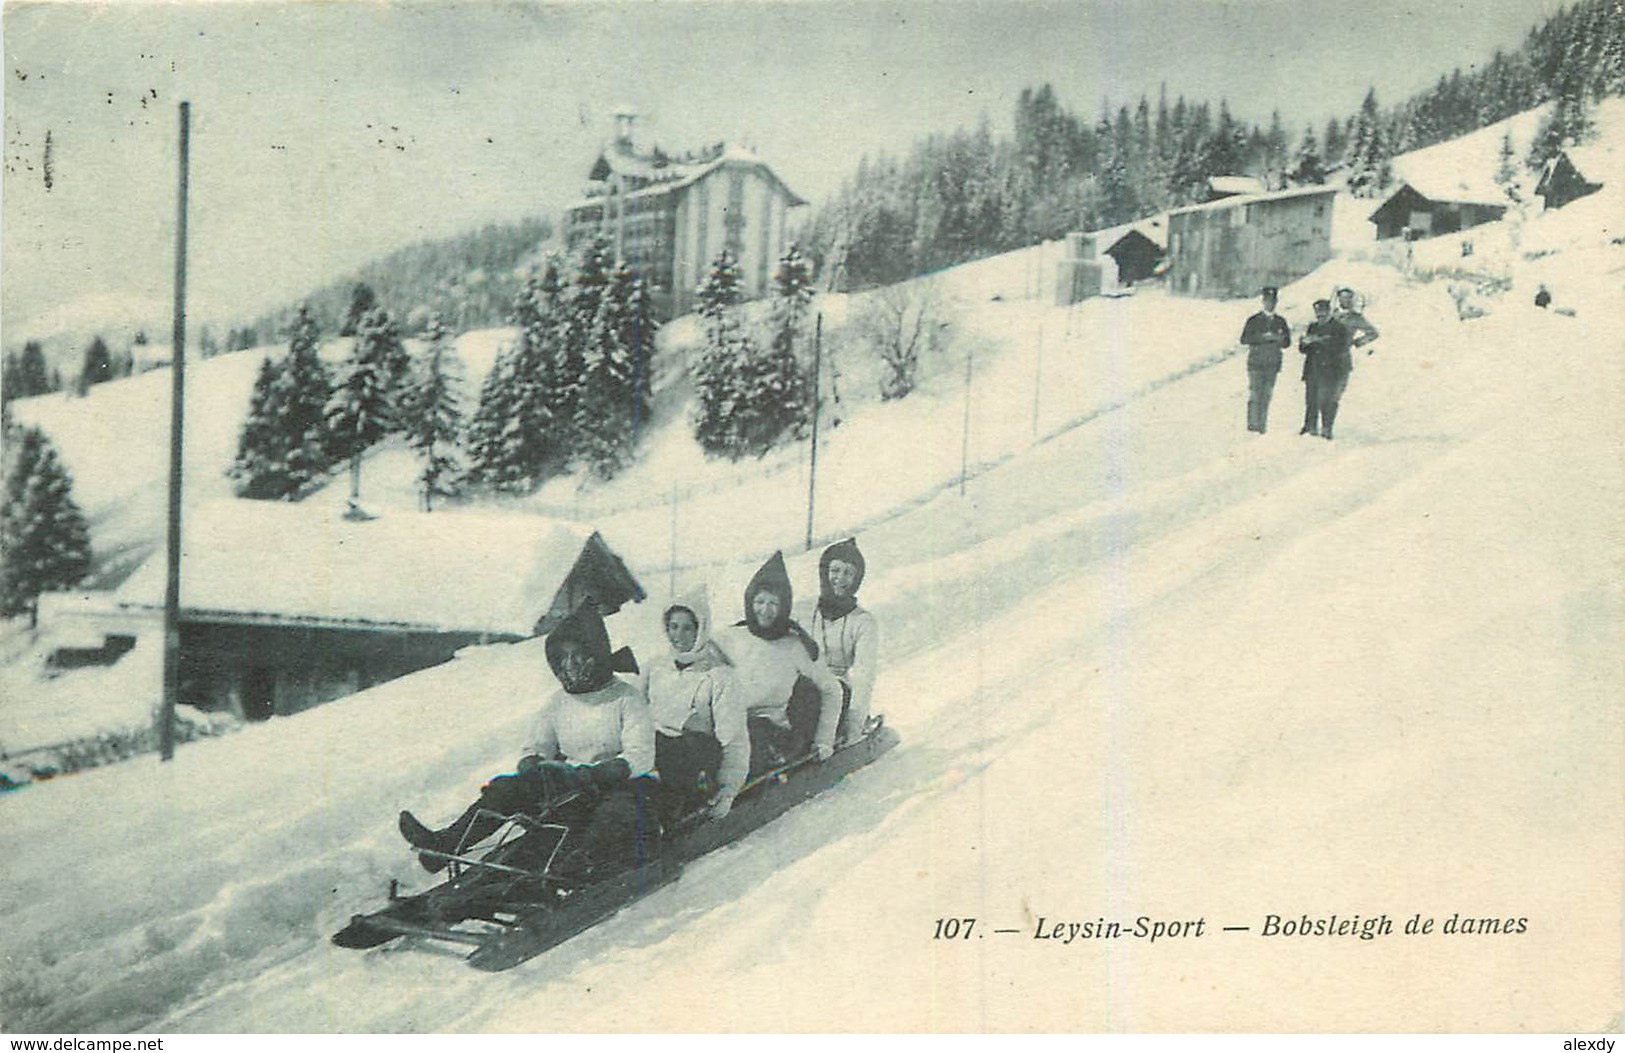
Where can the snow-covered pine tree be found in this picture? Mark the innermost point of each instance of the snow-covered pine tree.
(362, 302)
(25, 374)
(615, 390)
(577, 347)
(1506, 169)
(1368, 152)
(514, 440)
(541, 428)
(284, 446)
(750, 397)
(490, 421)
(304, 391)
(1309, 168)
(717, 360)
(1568, 123)
(97, 367)
(261, 468)
(364, 407)
(792, 300)
(44, 538)
(432, 413)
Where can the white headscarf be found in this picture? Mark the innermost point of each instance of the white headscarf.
(697, 601)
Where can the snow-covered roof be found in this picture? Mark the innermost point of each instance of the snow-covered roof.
(1591, 161)
(1439, 175)
(447, 571)
(1234, 184)
(1251, 199)
(1152, 228)
(669, 175)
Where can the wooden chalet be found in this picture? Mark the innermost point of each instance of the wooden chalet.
(1429, 207)
(286, 606)
(1236, 245)
(1564, 177)
(669, 216)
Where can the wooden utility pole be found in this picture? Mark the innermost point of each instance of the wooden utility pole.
(964, 442)
(177, 415)
(817, 400)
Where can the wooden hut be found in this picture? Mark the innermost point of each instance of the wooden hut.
(1234, 246)
(1427, 208)
(287, 606)
(1564, 180)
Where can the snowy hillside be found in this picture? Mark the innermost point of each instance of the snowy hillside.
(1148, 664)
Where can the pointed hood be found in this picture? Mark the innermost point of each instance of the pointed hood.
(696, 601)
(586, 627)
(831, 606)
(771, 577)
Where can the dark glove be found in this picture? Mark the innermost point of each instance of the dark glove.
(561, 777)
(606, 773)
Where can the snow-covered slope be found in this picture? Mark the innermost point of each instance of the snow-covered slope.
(1150, 665)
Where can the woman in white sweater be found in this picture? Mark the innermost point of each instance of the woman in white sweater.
(700, 735)
(594, 739)
(847, 637)
(770, 655)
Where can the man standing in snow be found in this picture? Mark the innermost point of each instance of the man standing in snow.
(1266, 335)
(1361, 332)
(1326, 368)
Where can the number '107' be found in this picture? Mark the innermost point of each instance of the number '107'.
(954, 928)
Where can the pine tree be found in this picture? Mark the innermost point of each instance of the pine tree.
(97, 367)
(1368, 153)
(615, 394)
(1506, 172)
(306, 390)
(717, 361)
(1335, 142)
(362, 302)
(1309, 169)
(364, 407)
(44, 538)
(520, 433)
(261, 467)
(489, 425)
(26, 375)
(1276, 161)
(433, 413)
(1567, 123)
(286, 446)
(750, 397)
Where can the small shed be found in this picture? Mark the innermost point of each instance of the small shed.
(1564, 177)
(1234, 246)
(285, 606)
(1137, 254)
(1427, 208)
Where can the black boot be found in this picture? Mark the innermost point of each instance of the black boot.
(417, 835)
(467, 829)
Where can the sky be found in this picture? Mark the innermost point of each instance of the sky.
(324, 135)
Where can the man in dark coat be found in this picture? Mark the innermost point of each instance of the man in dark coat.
(1326, 368)
(1266, 335)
